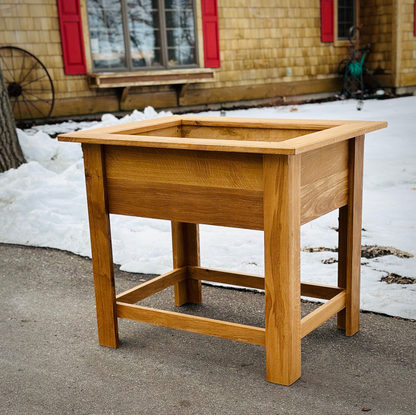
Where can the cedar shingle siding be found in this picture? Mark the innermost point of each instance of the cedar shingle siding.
(268, 49)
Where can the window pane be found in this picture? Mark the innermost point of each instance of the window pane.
(106, 34)
(144, 33)
(179, 4)
(179, 56)
(180, 32)
(346, 17)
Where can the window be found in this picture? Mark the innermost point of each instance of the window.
(346, 17)
(131, 35)
(337, 16)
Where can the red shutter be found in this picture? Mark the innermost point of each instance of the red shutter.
(327, 20)
(71, 37)
(210, 32)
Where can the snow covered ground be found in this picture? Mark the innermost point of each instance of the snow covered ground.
(43, 203)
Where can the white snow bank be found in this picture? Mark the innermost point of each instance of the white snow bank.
(43, 203)
(49, 153)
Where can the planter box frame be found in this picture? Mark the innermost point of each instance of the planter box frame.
(271, 175)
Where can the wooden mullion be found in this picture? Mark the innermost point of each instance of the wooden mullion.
(322, 314)
(202, 325)
(163, 34)
(153, 286)
(126, 31)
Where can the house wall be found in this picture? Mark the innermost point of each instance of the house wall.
(268, 49)
(376, 18)
(407, 68)
(33, 25)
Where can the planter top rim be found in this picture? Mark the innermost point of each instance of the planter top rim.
(320, 134)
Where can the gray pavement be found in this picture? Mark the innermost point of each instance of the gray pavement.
(51, 363)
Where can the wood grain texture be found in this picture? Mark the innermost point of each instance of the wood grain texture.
(206, 169)
(262, 90)
(153, 286)
(230, 172)
(136, 127)
(324, 196)
(324, 180)
(140, 100)
(242, 133)
(102, 257)
(174, 131)
(342, 258)
(327, 133)
(140, 173)
(282, 268)
(225, 277)
(324, 292)
(324, 162)
(183, 203)
(229, 146)
(349, 240)
(114, 80)
(261, 123)
(185, 249)
(217, 328)
(322, 314)
(331, 136)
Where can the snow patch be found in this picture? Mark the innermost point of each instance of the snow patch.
(43, 203)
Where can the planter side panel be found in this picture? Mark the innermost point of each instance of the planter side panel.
(324, 181)
(186, 186)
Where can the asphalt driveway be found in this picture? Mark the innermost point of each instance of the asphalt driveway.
(51, 363)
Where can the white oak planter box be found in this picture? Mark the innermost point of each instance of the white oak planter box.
(271, 175)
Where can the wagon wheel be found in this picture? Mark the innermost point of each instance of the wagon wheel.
(28, 83)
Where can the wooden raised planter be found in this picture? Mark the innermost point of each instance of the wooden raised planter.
(271, 175)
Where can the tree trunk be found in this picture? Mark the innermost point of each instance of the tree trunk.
(11, 156)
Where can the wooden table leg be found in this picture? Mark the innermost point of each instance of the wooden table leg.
(185, 246)
(349, 237)
(282, 267)
(102, 256)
